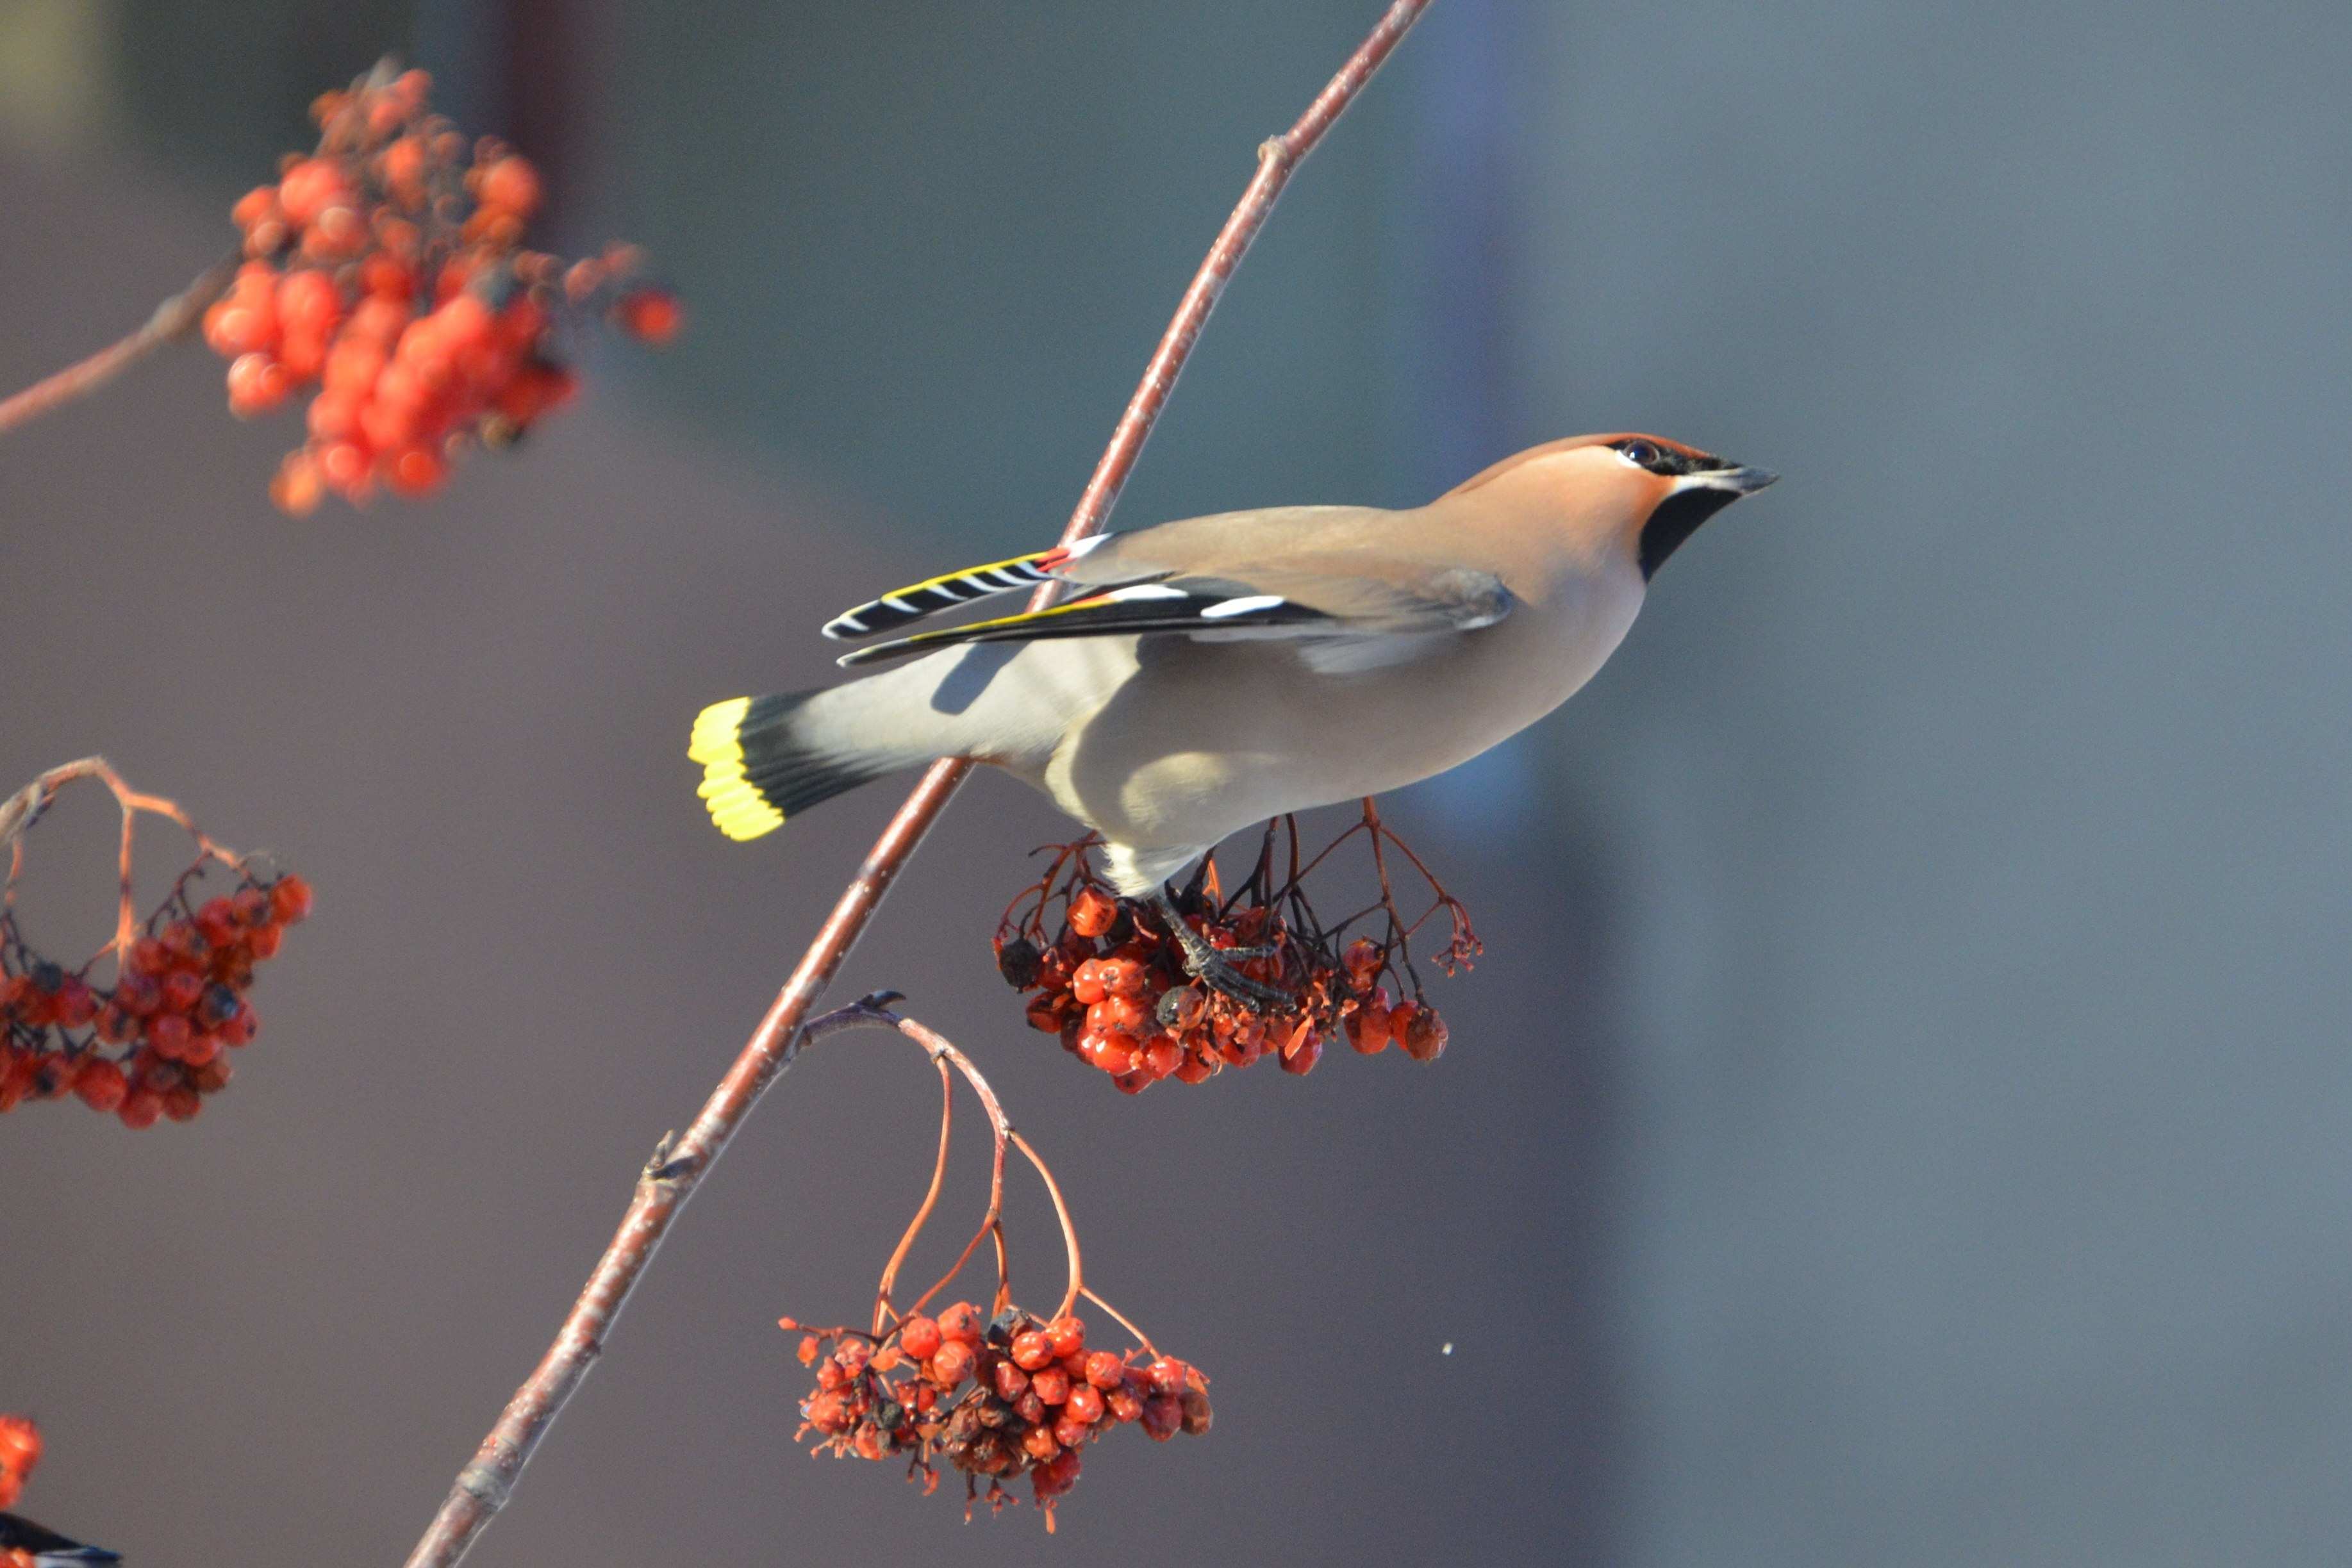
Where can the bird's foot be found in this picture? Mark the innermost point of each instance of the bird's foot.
(1219, 969)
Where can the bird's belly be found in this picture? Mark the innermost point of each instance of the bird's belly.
(1206, 738)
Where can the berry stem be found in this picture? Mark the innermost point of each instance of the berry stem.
(19, 812)
(1120, 1319)
(174, 319)
(1069, 1232)
(483, 1487)
(930, 1199)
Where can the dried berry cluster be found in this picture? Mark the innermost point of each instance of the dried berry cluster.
(20, 1450)
(157, 1043)
(994, 1399)
(1109, 980)
(387, 269)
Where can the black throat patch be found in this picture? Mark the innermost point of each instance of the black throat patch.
(1677, 517)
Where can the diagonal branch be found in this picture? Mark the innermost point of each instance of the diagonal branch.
(176, 317)
(484, 1485)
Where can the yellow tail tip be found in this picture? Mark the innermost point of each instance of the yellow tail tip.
(734, 801)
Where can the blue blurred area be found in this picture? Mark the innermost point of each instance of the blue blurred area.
(1902, 1116)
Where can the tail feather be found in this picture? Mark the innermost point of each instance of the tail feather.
(763, 760)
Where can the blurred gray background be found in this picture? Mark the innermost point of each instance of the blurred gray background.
(1902, 1118)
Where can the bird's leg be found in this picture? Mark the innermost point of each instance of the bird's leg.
(1217, 969)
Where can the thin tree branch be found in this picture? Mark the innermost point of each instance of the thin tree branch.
(176, 317)
(484, 1485)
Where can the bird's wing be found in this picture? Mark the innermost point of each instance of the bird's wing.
(1279, 599)
(903, 606)
(1193, 546)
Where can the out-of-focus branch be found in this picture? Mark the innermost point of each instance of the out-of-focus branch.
(176, 317)
(484, 1485)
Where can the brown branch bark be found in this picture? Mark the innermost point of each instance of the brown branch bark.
(679, 1165)
(176, 317)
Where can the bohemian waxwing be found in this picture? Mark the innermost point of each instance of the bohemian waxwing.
(1219, 671)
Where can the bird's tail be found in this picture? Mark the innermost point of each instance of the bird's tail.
(767, 758)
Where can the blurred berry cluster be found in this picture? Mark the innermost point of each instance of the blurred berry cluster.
(387, 268)
(993, 1398)
(1113, 985)
(20, 1450)
(157, 1043)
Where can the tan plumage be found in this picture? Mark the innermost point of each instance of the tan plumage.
(1222, 670)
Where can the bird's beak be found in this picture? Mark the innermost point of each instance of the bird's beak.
(1740, 481)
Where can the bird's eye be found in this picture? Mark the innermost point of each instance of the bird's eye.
(1641, 454)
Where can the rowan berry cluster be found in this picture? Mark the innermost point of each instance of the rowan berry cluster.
(20, 1450)
(387, 269)
(1115, 985)
(993, 1398)
(158, 1042)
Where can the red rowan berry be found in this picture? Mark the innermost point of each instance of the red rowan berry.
(1122, 1013)
(1051, 1383)
(169, 1034)
(510, 185)
(1134, 1082)
(854, 1356)
(650, 315)
(1368, 1028)
(1123, 976)
(212, 1077)
(291, 900)
(1084, 1404)
(1038, 1444)
(1111, 1049)
(1031, 1349)
(953, 1364)
(1124, 1403)
(918, 1336)
(416, 471)
(1071, 1432)
(100, 1084)
(257, 384)
(1166, 1374)
(1067, 1335)
(181, 989)
(1087, 982)
(1031, 1409)
(830, 1377)
(960, 1322)
(1092, 913)
(1059, 1476)
(255, 205)
(1195, 1069)
(1161, 1055)
(75, 1003)
(182, 1102)
(1105, 1369)
(828, 1413)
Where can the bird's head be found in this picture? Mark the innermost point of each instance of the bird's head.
(1642, 495)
